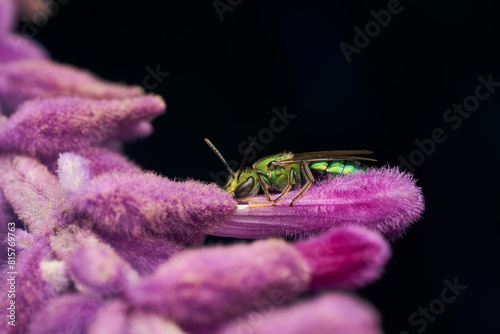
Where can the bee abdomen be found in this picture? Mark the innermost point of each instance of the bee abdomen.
(337, 167)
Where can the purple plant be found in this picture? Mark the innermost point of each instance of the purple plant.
(102, 246)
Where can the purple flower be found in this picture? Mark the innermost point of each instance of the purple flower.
(71, 123)
(15, 48)
(183, 212)
(331, 313)
(33, 192)
(7, 19)
(102, 160)
(25, 80)
(104, 247)
(70, 313)
(383, 199)
(32, 292)
(98, 268)
(200, 288)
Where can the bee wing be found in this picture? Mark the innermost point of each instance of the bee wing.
(327, 156)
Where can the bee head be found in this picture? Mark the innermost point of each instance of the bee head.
(244, 185)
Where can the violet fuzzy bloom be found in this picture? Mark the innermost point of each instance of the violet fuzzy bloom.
(32, 191)
(385, 200)
(331, 313)
(31, 291)
(204, 288)
(105, 247)
(67, 124)
(14, 48)
(25, 80)
(7, 11)
(183, 212)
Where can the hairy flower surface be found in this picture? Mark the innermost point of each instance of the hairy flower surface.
(25, 80)
(331, 313)
(71, 123)
(102, 246)
(108, 206)
(385, 200)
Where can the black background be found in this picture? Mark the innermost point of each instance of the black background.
(226, 78)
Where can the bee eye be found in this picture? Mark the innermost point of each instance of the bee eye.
(244, 189)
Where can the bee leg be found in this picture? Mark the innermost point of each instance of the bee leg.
(291, 182)
(310, 180)
(265, 188)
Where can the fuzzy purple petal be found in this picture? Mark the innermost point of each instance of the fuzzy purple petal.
(332, 313)
(33, 192)
(150, 323)
(202, 288)
(6, 216)
(71, 313)
(7, 16)
(16, 48)
(137, 131)
(30, 79)
(144, 254)
(68, 240)
(73, 172)
(102, 160)
(144, 205)
(111, 319)
(117, 317)
(99, 270)
(31, 292)
(345, 257)
(46, 127)
(383, 199)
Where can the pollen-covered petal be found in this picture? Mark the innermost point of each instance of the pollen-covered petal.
(56, 274)
(202, 288)
(143, 205)
(102, 160)
(69, 313)
(34, 193)
(73, 172)
(46, 127)
(25, 80)
(331, 313)
(383, 199)
(346, 257)
(17, 48)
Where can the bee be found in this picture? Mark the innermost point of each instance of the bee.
(284, 171)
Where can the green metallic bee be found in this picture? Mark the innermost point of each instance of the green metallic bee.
(285, 171)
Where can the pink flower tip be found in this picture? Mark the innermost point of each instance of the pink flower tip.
(348, 257)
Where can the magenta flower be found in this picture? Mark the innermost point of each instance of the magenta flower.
(102, 246)
(384, 199)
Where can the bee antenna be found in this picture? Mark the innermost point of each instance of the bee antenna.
(220, 157)
(247, 152)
